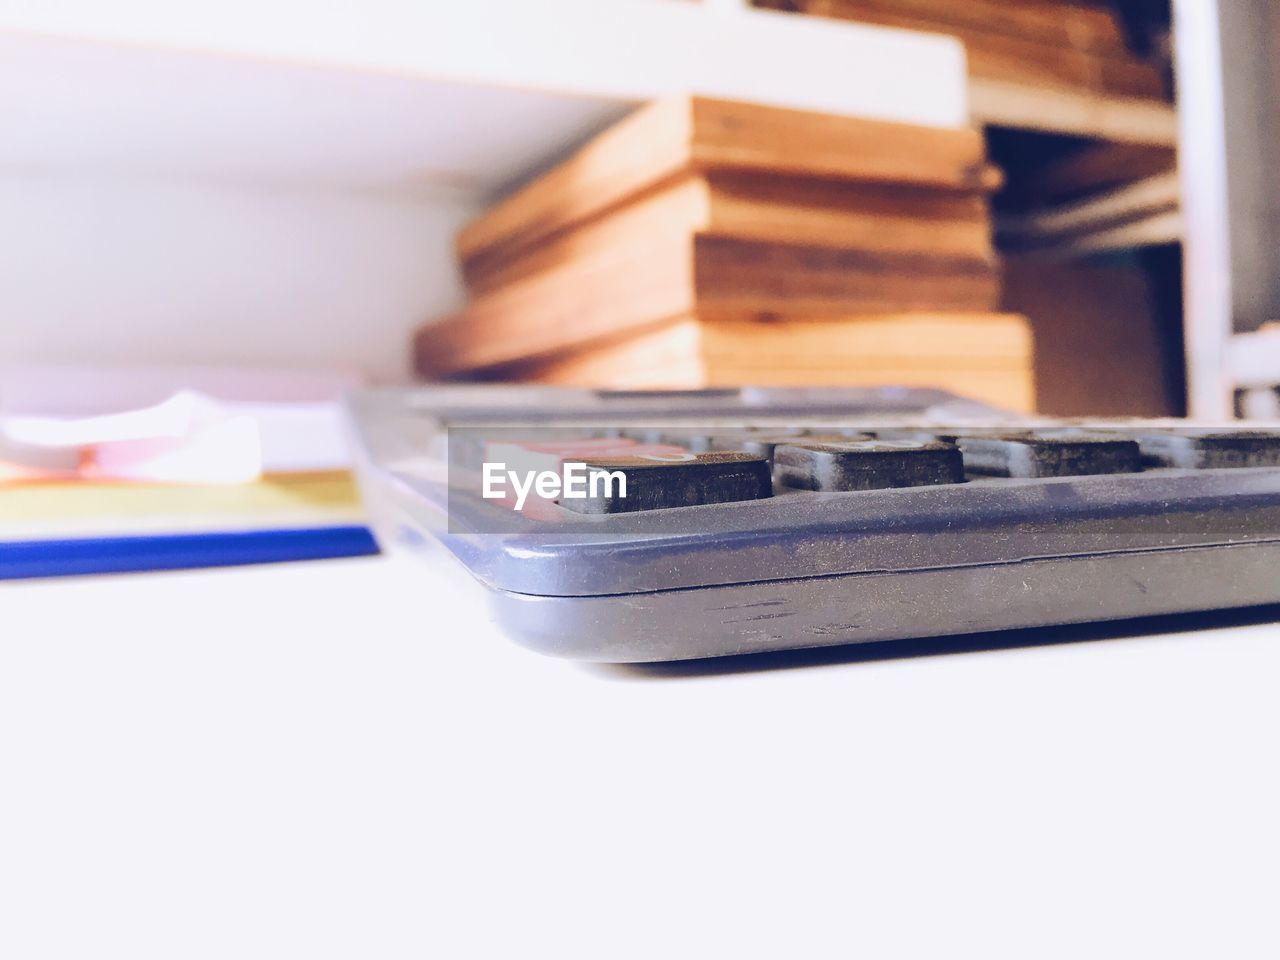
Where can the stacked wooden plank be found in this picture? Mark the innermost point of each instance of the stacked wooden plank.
(1102, 197)
(1054, 44)
(705, 243)
(1094, 168)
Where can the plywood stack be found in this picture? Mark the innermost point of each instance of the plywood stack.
(705, 243)
(1103, 197)
(1058, 44)
(1094, 168)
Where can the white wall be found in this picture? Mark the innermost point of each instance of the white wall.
(134, 271)
(249, 182)
(160, 206)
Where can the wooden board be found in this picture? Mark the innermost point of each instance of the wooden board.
(665, 273)
(662, 141)
(747, 278)
(1132, 202)
(611, 289)
(665, 356)
(772, 209)
(997, 53)
(672, 213)
(1098, 167)
(1060, 24)
(984, 356)
(1157, 230)
(1081, 113)
(741, 136)
(902, 341)
(889, 219)
(1099, 346)
(643, 149)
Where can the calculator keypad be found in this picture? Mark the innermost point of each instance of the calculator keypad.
(661, 482)
(765, 444)
(1027, 455)
(677, 466)
(1211, 450)
(867, 464)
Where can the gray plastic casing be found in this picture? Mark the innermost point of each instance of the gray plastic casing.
(817, 569)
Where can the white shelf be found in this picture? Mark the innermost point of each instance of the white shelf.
(415, 94)
(1254, 358)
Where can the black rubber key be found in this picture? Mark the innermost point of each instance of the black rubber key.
(1022, 455)
(867, 464)
(1212, 450)
(658, 483)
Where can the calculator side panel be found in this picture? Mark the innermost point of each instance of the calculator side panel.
(864, 608)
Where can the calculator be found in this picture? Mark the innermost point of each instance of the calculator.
(661, 526)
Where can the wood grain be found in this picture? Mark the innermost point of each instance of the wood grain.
(667, 268)
(567, 305)
(665, 356)
(889, 219)
(1057, 24)
(675, 209)
(1100, 348)
(663, 141)
(1099, 166)
(639, 151)
(769, 208)
(751, 278)
(729, 135)
(613, 289)
(1083, 113)
(1133, 201)
(998, 52)
(984, 356)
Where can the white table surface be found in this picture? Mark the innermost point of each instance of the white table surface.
(344, 759)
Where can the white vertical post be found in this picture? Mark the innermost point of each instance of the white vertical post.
(1208, 320)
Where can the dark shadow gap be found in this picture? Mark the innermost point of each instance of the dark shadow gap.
(940, 646)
